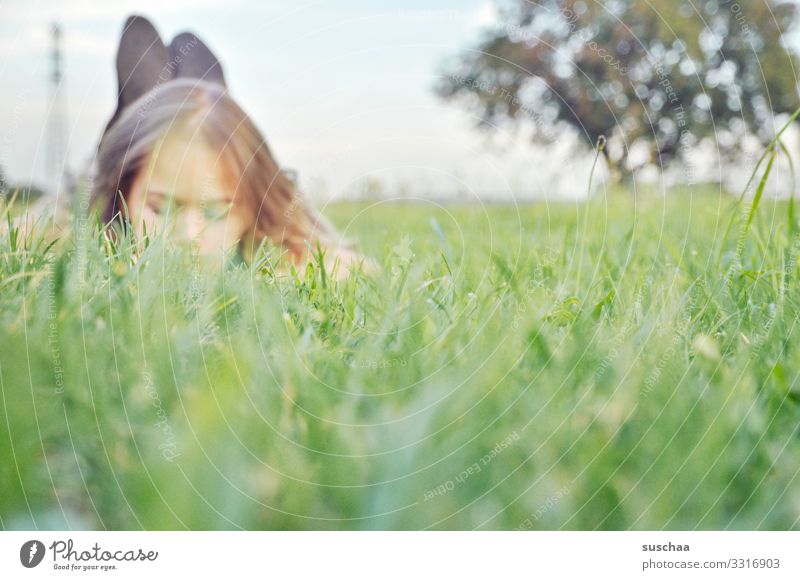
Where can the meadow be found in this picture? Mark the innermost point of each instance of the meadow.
(626, 363)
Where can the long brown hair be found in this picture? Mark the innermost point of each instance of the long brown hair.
(279, 211)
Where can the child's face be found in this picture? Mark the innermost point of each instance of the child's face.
(181, 183)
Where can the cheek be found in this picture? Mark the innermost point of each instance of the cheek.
(146, 217)
(140, 214)
(235, 224)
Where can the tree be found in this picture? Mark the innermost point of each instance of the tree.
(660, 73)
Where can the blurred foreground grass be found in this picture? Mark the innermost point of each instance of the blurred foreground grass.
(611, 365)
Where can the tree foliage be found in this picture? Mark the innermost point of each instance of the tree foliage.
(663, 73)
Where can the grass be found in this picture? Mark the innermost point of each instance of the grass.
(615, 365)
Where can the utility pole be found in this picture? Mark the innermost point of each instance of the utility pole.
(56, 159)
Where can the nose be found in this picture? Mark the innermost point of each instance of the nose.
(192, 225)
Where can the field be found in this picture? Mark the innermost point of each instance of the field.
(619, 364)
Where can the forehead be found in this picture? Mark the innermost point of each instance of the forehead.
(184, 166)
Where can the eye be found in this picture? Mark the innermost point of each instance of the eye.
(155, 207)
(159, 204)
(216, 211)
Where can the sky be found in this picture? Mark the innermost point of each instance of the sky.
(342, 90)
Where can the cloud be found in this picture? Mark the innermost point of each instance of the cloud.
(486, 15)
(34, 40)
(82, 11)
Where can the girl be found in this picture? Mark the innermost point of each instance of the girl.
(179, 151)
